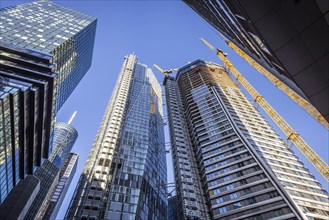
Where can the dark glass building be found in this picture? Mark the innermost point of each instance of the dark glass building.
(47, 27)
(125, 174)
(172, 208)
(22, 196)
(27, 100)
(229, 163)
(289, 38)
(50, 172)
(48, 175)
(33, 37)
(51, 207)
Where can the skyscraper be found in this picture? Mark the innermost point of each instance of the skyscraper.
(246, 170)
(64, 138)
(35, 36)
(125, 174)
(49, 173)
(190, 196)
(46, 27)
(27, 91)
(288, 38)
(51, 207)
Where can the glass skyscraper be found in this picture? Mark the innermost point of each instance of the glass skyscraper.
(47, 27)
(48, 175)
(46, 49)
(125, 174)
(27, 91)
(229, 163)
(51, 207)
(64, 138)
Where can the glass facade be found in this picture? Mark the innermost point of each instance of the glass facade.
(9, 177)
(47, 27)
(50, 172)
(51, 207)
(33, 37)
(125, 174)
(247, 170)
(172, 208)
(64, 138)
(48, 175)
(27, 91)
(307, 193)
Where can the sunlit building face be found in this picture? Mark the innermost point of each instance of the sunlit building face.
(125, 174)
(50, 28)
(45, 50)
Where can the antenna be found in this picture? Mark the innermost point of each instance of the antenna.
(72, 117)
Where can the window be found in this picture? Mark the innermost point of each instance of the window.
(237, 205)
(227, 178)
(251, 201)
(216, 191)
(233, 196)
(219, 200)
(229, 187)
(222, 210)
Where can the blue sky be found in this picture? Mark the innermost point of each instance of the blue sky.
(166, 33)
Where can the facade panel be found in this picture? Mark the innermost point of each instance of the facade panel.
(47, 173)
(191, 200)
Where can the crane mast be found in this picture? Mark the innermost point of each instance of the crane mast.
(308, 107)
(291, 134)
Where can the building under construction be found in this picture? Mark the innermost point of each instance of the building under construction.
(229, 163)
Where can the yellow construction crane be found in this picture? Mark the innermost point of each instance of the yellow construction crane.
(166, 72)
(308, 107)
(291, 134)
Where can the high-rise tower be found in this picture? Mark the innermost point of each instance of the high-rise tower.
(27, 91)
(49, 28)
(51, 207)
(246, 171)
(125, 174)
(64, 138)
(45, 50)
